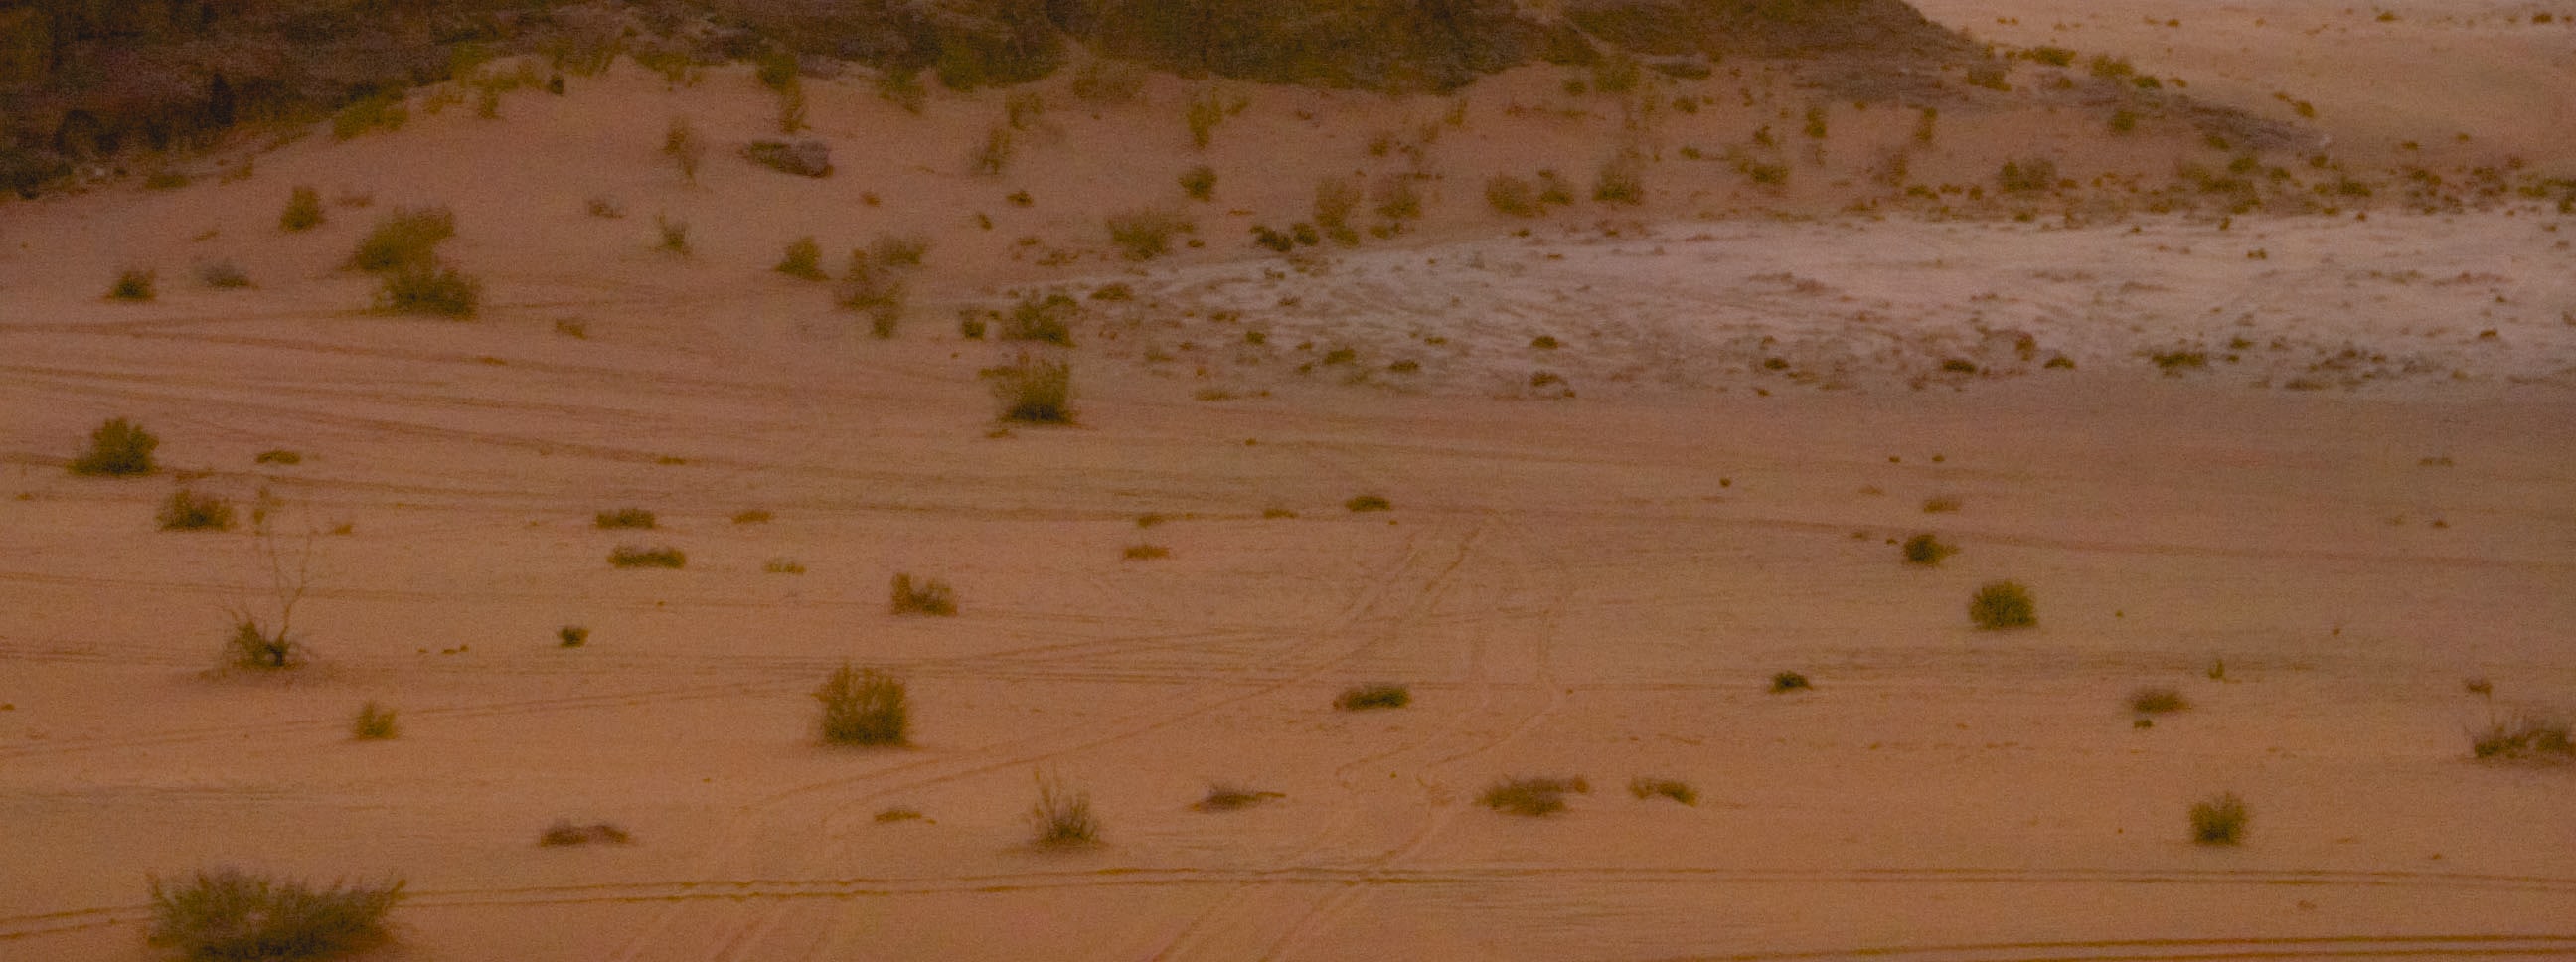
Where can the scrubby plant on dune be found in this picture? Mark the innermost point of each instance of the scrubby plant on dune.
(1034, 390)
(230, 914)
(408, 237)
(375, 722)
(1142, 235)
(631, 556)
(624, 518)
(876, 290)
(1680, 791)
(2219, 820)
(189, 511)
(117, 448)
(864, 707)
(1925, 549)
(432, 289)
(132, 284)
(928, 596)
(1062, 816)
(259, 648)
(2157, 700)
(2524, 738)
(2003, 604)
(1222, 797)
(1365, 697)
(303, 210)
(1041, 318)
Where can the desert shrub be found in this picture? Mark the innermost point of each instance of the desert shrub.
(902, 87)
(2124, 121)
(2028, 175)
(117, 448)
(564, 832)
(674, 234)
(374, 723)
(1222, 797)
(255, 647)
(803, 259)
(383, 111)
(930, 596)
(1120, 291)
(754, 516)
(1679, 791)
(1203, 114)
(1104, 83)
(407, 237)
(1925, 549)
(1368, 502)
(2219, 820)
(2052, 56)
(429, 289)
(681, 143)
(1146, 552)
(2157, 700)
(2524, 738)
(1941, 504)
(1788, 681)
(1617, 73)
(1989, 75)
(1511, 195)
(189, 511)
(1620, 181)
(2109, 67)
(899, 250)
(1335, 199)
(875, 290)
(782, 566)
(1199, 182)
(993, 155)
(132, 284)
(1531, 796)
(572, 636)
(1815, 129)
(224, 275)
(1037, 318)
(1034, 390)
(605, 207)
(1062, 815)
(1364, 697)
(863, 707)
(2176, 361)
(775, 69)
(2002, 604)
(1143, 235)
(1396, 198)
(791, 110)
(624, 518)
(1023, 110)
(278, 456)
(303, 210)
(631, 556)
(898, 813)
(230, 914)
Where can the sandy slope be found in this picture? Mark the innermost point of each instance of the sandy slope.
(2358, 500)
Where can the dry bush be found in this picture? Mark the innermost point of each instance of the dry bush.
(875, 290)
(681, 143)
(2220, 820)
(1062, 816)
(624, 518)
(803, 259)
(631, 556)
(2524, 738)
(407, 237)
(303, 210)
(223, 275)
(132, 284)
(864, 707)
(564, 832)
(2157, 700)
(1199, 182)
(1335, 199)
(117, 448)
(1621, 180)
(1368, 502)
(253, 646)
(374, 723)
(432, 289)
(1531, 796)
(1365, 697)
(1679, 791)
(1143, 235)
(1925, 549)
(1034, 390)
(930, 596)
(1789, 681)
(1513, 196)
(189, 511)
(2003, 604)
(231, 914)
(1222, 797)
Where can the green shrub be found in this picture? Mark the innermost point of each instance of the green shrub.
(255, 647)
(1513, 196)
(375, 723)
(1531, 796)
(1621, 181)
(1925, 549)
(1679, 791)
(116, 449)
(2219, 820)
(1036, 318)
(1364, 697)
(303, 210)
(2002, 604)
(230, 914)
(2524, 738)
(1143, 235)
(408, 237)
(1034, 390)
(1062, 816)
(929, 597)
(1199, 182)
(863, 707)
(2157, 701)
(804, 259)
(1789, 681)
(631, 556)
(1368, 502)
(429, 289)
(625, 518)
(132, 284)
(189, 511)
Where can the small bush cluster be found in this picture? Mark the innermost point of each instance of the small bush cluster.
(133, 284)
(1621, 181)
(1364, 697)
(2028, 175)
(2157, 701)
(255, 647)
(929, 596)
(117, 448)
(630, 556)
(1368, 502)
(1789, 681)
(409, 236)
(1034, 390)
(1041, 318)
(231, 914)
(434, 289)
(1142, 235)
(2002, 604)
(864, 707)
(2525, 738)
(1531, 796)
(303, 210)
(189, 511)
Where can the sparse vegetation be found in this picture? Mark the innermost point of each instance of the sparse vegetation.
(864, 707)
(993, 155)
(1396, 198)
(2157, 700)
(1101, 82)
(2028, 175)
(875, 290)
(132, 284)
(255, 647)
(572, 636)
(754, 516)
(231, 914)
(2524, 738)
(189, 511)
(1062, 816)
(2219, 820)
(565, 833)
(303, 210)
(1368, 502)
(117, 448)
(1513, 196)
(433, 289)
(223, 275)
(803, 260)
(625, 518)
(382, 111)
(1365, 697)
(674, 234)
(1335, 199)
(1531, 796)
(1199, 182)
(1679, 791)
(1222, 797)
(1147, 552)
(1034, 390)
(681, 143)
(899, 250)
(375, 722)
(2002, 604)
(408, 237)
(930, 596)
(630, 556)
(1621, 180)
(1926, 549)
(782, 566)
(1041, 318)
(1941, 504)
(1789, 681)
(1143, 235)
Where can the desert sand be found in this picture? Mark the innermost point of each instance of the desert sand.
(2316, 471)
